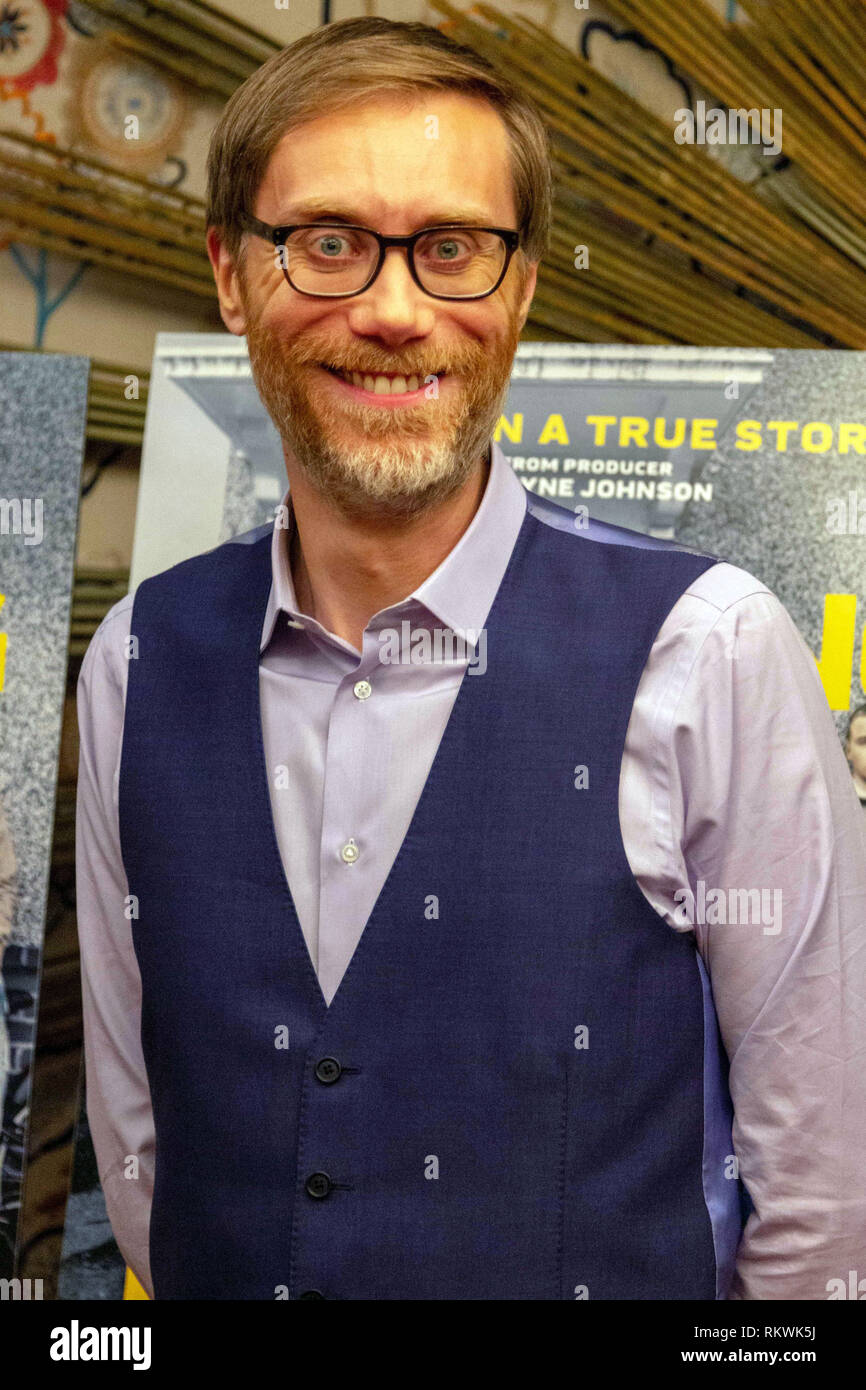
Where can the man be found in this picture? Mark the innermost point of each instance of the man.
(402, 924)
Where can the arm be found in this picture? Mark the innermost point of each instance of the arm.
(747, 787)
(118, 1095)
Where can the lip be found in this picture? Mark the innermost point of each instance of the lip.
(387, 398)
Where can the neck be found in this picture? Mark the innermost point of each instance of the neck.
(345, 569)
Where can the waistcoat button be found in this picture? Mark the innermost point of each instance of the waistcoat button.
(328, 1070)
(311, 1293)
(318, 1184)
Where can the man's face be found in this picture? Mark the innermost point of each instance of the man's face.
(376, 165)
(855, 748)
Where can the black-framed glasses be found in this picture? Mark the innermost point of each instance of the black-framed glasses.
(335, 260)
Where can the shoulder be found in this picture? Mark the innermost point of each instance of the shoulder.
(104, 662)
(224, 556)
(615, 545)
(604, 533)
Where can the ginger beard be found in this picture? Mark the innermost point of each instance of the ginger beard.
(372, 460)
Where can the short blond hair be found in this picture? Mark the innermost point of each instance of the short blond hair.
(354, 60)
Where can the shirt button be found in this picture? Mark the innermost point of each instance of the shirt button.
(328, 1070)
(318, 1185)
(350, 852)
(311, 1293)
(363, 690)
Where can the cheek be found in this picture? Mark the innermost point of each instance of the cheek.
(277, 327)
(486, 326)
(263, 278)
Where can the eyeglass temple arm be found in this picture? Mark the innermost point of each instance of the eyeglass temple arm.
(253, 224)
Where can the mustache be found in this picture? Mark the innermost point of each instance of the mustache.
(370, 360)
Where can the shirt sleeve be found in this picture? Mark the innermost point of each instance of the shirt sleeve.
(735, 761)
(118, 1096)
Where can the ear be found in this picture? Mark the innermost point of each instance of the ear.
(226, 275)
(528, 291)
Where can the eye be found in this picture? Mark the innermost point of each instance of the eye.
(330, 244)
(445, 248)
(445, 251)
(449, 249)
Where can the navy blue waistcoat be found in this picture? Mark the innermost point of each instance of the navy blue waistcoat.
(529, 1099)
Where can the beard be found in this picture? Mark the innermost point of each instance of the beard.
(374, 461)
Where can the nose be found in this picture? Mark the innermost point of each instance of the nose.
(393, 308)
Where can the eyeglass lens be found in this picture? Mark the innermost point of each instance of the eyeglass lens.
(456, 262)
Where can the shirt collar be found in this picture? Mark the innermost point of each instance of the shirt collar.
(461, 589)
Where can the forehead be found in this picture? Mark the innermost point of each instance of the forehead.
(395, 162)
(858, 726)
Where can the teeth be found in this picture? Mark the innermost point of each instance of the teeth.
(394, 386)
(381, 385)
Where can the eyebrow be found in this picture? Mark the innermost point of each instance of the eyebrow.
(317, 210)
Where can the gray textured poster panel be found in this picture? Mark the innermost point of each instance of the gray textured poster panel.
(43, 405)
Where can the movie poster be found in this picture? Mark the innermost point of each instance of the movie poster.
(43, 405)
(757, 456)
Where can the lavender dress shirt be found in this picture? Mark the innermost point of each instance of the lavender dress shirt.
(732, 774)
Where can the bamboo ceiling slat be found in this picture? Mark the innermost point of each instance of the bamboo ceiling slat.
(646, 298)
(771, 284)
(162, 25)
(744, 68)
(78, 250)
(94, 592)
(217, 25)
(115, 434)
(590, 323)
(61, 201)
(201, 47)
(635, 275)
(107, 418)
(848, 44)
(604, 295)
(751, 271)
(834, 72)
(130, 249)
(681, 249)
(187, 227)
(213, 82)
(25, 184)
(102, 399)
(799, 29)
(696, 177)
(87, 171)
(798, 80)
(804, 200)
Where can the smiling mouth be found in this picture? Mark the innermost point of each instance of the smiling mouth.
(380, 383)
